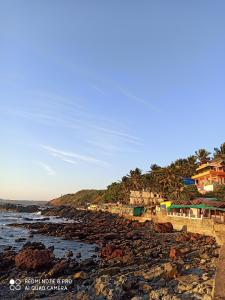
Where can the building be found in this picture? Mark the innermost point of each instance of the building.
(209, 175)
(145, 198)
(199, 208)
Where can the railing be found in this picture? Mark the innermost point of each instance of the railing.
(182, 215)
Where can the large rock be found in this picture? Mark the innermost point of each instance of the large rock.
(111, 251)
(175, 253)
(58, 268)
(171, 270)
(163, 227)
(107, 287)
(33, 258)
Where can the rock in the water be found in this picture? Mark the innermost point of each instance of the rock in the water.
(31, 258)
(69, 253)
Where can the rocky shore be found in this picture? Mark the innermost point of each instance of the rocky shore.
(133, 261)
(19, 208)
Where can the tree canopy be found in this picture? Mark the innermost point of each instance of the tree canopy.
(166, 180)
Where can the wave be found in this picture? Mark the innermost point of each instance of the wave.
(9, 219)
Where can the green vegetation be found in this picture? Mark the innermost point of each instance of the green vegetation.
(167, 181)
(220, 152)
(81, 198)
(202, 155)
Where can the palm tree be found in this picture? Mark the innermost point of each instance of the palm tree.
(191, 165)
(154, 167)
(219, 152)
(136, 179)
(126, 187)
(202, 155)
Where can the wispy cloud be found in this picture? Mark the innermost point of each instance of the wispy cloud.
(71, 103)
(137, 99)
(46, 167)
(66, 156)
(33, 116)
(109, 148)
(76, 124)
(100, 90)
(125, 136)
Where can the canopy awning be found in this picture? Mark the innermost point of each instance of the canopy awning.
(202, 206)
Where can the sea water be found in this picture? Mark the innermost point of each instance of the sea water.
(9, 234)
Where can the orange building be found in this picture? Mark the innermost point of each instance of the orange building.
(210, 175)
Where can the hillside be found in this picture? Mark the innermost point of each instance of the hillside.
(81, 198)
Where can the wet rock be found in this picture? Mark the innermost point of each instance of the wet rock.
(69, 253)
(33, 257)
(20, 240)
(7, 248)
(34, 245)
(51, 248)
(19, 208)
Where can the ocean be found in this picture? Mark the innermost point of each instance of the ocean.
(24, 202)
(10, 234)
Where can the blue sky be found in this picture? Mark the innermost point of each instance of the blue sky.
(92, 89)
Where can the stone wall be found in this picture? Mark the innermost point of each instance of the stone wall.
(219, 286)
(219, 232)
(202, 226)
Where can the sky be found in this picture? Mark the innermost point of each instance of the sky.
(92, 89)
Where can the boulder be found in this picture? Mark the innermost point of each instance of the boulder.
(111, 251)
(33, 258)
(58, 268)
(171, 271)
(163, 227)
(175, 253)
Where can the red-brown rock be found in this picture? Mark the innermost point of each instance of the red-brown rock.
(175, 253)
(163, 227)
(33, 259)
(110, 251)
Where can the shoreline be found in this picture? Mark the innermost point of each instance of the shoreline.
(154, 261)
